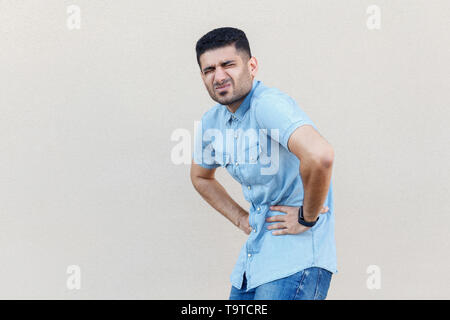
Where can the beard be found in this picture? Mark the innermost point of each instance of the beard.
(226, 100)
(233, 94)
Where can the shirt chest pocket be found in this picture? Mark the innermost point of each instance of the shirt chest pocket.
(250, 155)
(225, 161)
(252, 165)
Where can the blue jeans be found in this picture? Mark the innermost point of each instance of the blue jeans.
(309, 284)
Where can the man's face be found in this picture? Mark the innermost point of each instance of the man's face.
(227, 74)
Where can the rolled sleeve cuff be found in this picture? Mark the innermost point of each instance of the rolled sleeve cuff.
(204, 165)
(287, 133)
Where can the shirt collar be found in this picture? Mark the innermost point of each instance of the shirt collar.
(240, 112)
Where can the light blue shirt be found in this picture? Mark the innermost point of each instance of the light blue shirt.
(252, 145)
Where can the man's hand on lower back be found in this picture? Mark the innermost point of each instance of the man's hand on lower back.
(244, 224)
(288, 223)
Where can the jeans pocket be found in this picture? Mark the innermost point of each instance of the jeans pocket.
(323, 284)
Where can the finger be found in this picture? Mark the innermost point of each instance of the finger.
(324, 209)
(276, 218)
(276, 226)
(280, 232)
(278, 208)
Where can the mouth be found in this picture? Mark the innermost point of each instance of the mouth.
(224, 87)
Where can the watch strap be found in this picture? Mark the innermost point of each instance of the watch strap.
(302, 221)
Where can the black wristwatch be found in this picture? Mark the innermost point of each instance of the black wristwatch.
(302, 221)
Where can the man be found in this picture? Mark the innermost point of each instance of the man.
(290, 251)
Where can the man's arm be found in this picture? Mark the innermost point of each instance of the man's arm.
(316, 161)
(215, 194)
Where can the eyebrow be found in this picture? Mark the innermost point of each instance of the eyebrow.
(222, 64)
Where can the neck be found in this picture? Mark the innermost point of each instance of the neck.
(235, 105)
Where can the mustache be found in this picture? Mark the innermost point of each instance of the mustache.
(222, 84)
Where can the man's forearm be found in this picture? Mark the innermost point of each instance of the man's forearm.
(316, 178)
(216, 195)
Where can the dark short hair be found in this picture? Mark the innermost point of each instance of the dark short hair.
(222, 37)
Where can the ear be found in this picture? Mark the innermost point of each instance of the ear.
(253, 66)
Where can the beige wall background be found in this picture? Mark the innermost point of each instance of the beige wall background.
(87, 115)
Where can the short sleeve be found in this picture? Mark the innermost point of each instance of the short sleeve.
(280, 115)
(203, 154)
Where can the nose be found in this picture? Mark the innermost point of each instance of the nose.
(220, 76)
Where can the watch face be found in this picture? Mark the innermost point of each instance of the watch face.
(302, 221)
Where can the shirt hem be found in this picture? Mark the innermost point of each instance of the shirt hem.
(284, 275)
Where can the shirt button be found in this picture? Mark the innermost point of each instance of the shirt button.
(249, 187)
(249, 254)
(258, 208)
(254, 230)
(237, 163)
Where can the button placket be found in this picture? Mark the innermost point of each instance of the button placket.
(233, 160)
(236, 163)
